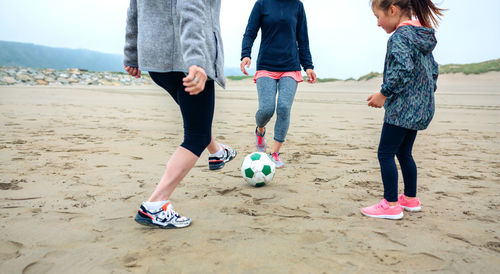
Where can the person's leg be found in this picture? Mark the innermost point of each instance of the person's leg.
(158, 211)
(407, 164)
(287, 87)
(168, 81)
(180, 163)
(197, 112)
(390, 142)
(266, 90)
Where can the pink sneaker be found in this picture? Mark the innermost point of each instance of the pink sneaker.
(383, 210)
(260, 142)
(410, 205)
(275, 157)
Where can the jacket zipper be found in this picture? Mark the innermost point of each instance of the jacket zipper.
(216, 54)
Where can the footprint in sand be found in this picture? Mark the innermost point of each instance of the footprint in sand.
(37, 267)
(13, 185)
(9, 250)
(495, 246)
(54, 254)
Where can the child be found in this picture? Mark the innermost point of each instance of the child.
(407, 93)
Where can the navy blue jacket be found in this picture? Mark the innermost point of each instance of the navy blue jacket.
(285, 44)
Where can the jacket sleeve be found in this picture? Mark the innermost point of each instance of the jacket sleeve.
(130, 49)
(192, 38)
(399, 68)
(253, 26)
(303, 39)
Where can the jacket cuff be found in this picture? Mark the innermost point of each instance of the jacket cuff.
(131, 64)
(195, 62)
(385, 91)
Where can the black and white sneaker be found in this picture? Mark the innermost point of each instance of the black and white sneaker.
(165, 217)
(216, 162)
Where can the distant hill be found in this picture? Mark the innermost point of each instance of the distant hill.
(475, 68)
(14, 54)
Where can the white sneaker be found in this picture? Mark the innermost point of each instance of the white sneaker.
(215, 162)
(165, 217)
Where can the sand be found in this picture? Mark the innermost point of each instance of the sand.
(76, 162)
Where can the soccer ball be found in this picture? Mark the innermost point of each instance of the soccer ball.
(257, 169)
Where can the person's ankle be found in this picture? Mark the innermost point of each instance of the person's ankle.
(261, 130)
(408, 198)
(219, 152)
(393, 203)
(156, 204)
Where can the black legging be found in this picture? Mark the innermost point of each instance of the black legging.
(197, 110)
(397, 141)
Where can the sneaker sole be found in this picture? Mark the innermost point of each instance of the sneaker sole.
(412, 209)
(391, 217)
(215, 167)
(147, 222)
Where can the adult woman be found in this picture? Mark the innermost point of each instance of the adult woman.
(179, 44)
(283, 49)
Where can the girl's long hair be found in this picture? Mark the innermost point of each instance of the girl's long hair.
(425, 10)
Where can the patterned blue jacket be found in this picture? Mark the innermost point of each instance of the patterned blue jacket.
(410, 77)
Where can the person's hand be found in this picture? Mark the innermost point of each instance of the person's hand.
(245, 63)
(376, 100)
(311, 76)
(134, 72)
(195, 80)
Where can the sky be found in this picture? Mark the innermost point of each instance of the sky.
(344, 38)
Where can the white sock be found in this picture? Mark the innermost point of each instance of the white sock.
(154, 206)
(219, 153)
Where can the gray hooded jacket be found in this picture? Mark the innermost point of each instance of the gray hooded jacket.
(172, 35)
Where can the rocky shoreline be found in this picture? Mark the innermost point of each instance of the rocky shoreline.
(73, 76)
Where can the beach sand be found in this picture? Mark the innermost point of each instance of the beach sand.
(76, 162)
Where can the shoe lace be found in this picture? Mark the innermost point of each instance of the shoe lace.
(169, 213)
(382, 205)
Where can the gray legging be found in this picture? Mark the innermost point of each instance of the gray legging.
(267, 89)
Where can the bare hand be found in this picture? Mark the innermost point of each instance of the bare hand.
(245, 63)
(376, 100)
(134, 72)
(311, 76)
(195, 80)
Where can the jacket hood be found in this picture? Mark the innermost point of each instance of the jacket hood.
(423, 38)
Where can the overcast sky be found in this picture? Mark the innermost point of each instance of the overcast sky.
(344, 38)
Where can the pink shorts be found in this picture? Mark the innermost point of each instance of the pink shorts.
(296, 75)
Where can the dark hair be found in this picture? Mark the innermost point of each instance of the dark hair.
(426, 12)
